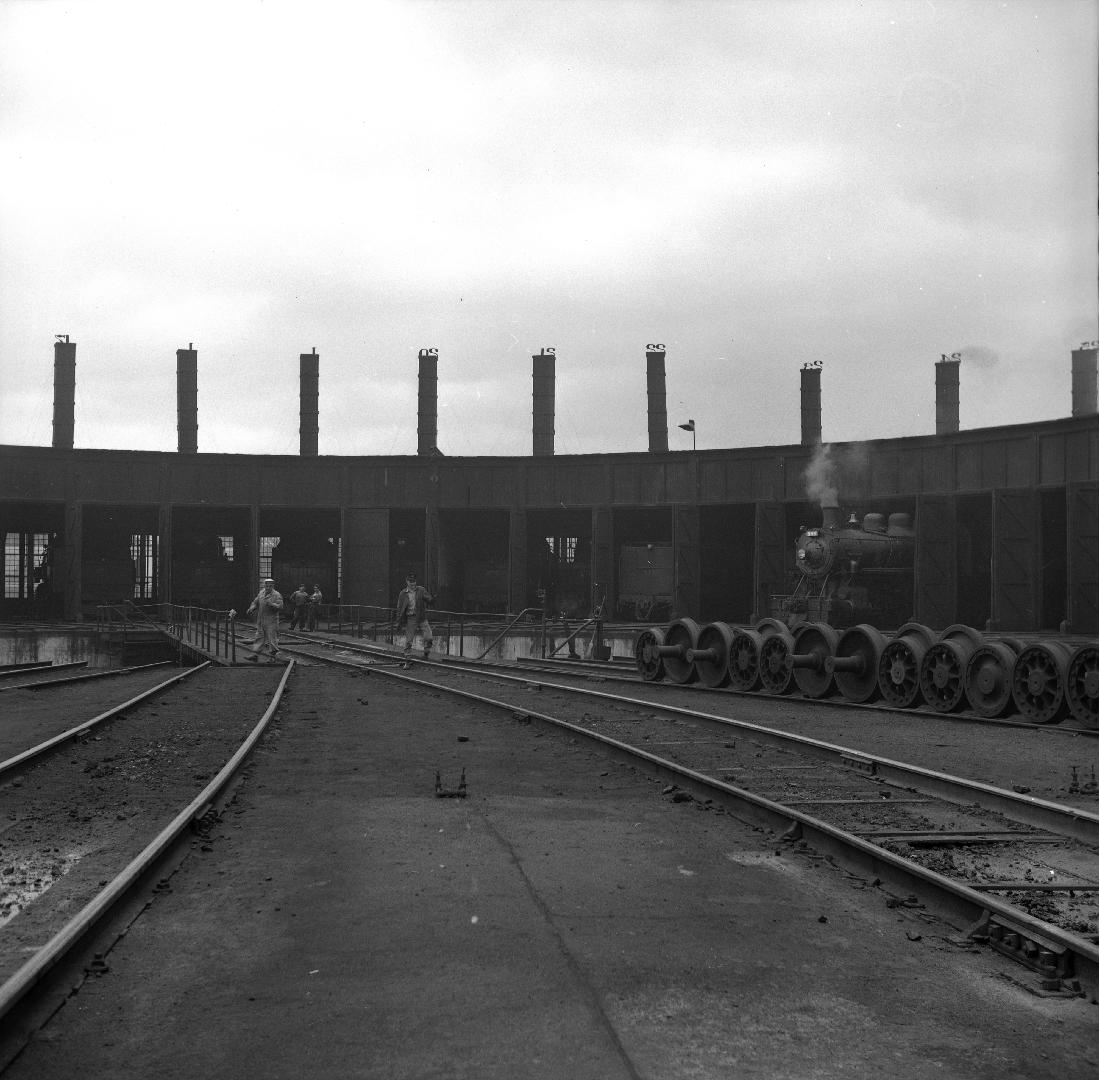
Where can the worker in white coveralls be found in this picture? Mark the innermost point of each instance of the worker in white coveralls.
(412, 613)
(267, 606)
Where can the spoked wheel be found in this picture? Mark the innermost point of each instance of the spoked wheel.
(814, 643)
(1082, 684)
(1038, 681)
(900, 663)
(744, 659)
(942, 673)
(646, 651)
(774, 674)
(711, 655)
(854, 664)
(988, 678)
(681, 636)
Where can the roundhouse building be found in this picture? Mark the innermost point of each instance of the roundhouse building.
(1004, 521)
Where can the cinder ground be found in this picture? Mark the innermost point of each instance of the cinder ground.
(564, 921)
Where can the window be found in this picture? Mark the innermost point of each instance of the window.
(227, 547)
(143, 548)
(563, 547)
(267, 545)
(24, 555)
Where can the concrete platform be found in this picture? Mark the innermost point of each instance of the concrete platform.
(566, 920)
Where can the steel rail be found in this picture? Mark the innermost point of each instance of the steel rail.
(23, 980)
(617, 671)
(23, 758)
(66, 680)
(1066, 821)
(971, 909)
(38, 669)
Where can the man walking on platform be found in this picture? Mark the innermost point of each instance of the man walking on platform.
(412, 614)
(267, 606)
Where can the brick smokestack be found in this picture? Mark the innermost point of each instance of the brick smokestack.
(64, 392)
(309, 381)
(427, 416)
(658, 399)
(810, 403)
(946, 396)
(1085, 387)
(187, 399)
(545, 371)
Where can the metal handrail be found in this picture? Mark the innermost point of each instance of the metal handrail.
(503, 633)
(575, 634)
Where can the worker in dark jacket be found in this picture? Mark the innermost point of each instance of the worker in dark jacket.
(412, 613)
(298, 600)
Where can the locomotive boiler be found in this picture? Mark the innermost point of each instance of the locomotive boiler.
(851, 572)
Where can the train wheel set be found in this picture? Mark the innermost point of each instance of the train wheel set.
(1043, 681)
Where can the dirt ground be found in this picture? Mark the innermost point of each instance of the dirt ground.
(566, 919)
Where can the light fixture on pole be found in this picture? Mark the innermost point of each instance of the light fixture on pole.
(690, 426)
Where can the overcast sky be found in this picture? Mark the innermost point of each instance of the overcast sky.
(755, 185)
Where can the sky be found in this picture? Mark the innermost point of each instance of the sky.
(754, 184)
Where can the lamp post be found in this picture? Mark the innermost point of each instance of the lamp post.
(690, 426)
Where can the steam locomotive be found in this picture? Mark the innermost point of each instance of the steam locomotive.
(853, 572)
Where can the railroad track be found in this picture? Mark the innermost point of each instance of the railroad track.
(91, 816)
(1001, 866)
(54, 676)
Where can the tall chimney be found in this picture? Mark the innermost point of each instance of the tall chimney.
(545, 364)
(64, 392)
(946, 395)
(810, 403)
(427, 418)
(309, 380)
(1085, 388)
(187, 399)
(658, 399)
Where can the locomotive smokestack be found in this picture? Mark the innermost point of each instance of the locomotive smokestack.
(427, 425)
(544, 374)
(1085, 388)
(658, 399)
(946, 395)
(64, 392)
(810, 403)
(187, 399)
(309, 380)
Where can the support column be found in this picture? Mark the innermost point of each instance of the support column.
(517, 561)
(71, 561)
(164, 554)
(602, 560)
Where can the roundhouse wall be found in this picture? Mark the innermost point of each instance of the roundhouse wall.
(47, 483)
